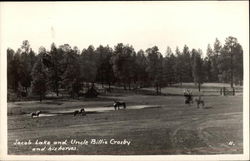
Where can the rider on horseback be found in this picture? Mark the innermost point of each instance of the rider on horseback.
(188, 96)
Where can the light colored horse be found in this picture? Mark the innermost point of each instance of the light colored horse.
(199, 101)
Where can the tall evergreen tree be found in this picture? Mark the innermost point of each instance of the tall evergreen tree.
(88, 65)
(169, 62)
(186, 64)
(231, 60)
(208, 64)
(123, 64)
(39, 78)
(104, 67)
(71, 78)
(141, 65)
(197, 68)
(11, 71)
(215, 61)
(178, 66)
(27, 60)
(155, 67)
(55, 68)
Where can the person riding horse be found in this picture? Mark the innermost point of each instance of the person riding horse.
(117, 105)
(188, 96)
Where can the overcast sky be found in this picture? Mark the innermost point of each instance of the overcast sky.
(141, 24)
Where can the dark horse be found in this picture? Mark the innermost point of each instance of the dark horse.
(117, 105)
(37, 113)
(188, 97)
(81, 111)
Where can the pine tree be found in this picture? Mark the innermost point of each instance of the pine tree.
(54, 66)
(155, 67)
(231, 61)
(71, 78)
(39, 78)
(197, 68)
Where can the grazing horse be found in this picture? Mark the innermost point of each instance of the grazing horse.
(76, 112)
(200, 101)
(81, 111)
(118, 104)
(37, 113)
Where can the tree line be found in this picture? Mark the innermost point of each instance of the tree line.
(70, 69)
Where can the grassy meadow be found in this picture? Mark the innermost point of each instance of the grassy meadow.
(162, 125)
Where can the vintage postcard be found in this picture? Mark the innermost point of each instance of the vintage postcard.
(124, 80)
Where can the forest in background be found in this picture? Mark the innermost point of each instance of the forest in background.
(71, 69)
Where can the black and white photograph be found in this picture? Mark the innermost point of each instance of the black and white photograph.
(151, 79)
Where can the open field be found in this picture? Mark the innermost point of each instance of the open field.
(165, 126)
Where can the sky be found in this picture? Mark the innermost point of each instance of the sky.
(141, 24)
